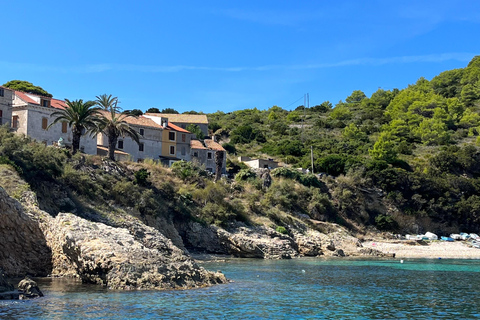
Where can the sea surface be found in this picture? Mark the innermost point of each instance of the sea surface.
(285, 289)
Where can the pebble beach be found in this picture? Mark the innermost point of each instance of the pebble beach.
(426, 249)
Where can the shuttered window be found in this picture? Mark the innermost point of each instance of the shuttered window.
(44, 123)
(64, 127)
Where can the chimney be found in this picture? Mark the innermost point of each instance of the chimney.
(164, 122)
(214, 139)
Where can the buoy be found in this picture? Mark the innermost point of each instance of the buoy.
(303, 271)
(401, 261)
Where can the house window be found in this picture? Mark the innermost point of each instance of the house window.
(171, 136)
(184, 138)
(64, 127)
(44, 123)
(2, 92)
(120, 144)
(15, 122)
(141, 131)
(195, 154)
(140, 147)
(172, 150)
(1, 116)
(209, 155)
(209, 169)
(183, 151)
(45, 103)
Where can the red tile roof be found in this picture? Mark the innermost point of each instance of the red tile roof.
(196, 144)
(58, 104)
(213, 145)
(139, 121)
(182, 118)
(25, 98)
(176, 128)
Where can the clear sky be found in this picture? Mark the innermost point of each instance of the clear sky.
(229, 55)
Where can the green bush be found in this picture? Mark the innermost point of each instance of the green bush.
(385, 223)
(141, 177)
(281, 229)
(245, 174)
(187, 170)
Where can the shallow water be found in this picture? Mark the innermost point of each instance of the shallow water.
(285, 289)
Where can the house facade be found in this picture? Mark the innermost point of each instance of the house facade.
(150, 137)
(203, 153)
(183, 120)
(259, 163)
(31, 115)
(6, 102)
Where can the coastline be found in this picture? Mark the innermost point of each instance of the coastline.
(426, 249)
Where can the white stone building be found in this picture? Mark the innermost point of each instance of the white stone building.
(31, 115)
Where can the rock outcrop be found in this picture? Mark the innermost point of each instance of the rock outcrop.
(24, 248)
(29, 289)
(133, 257)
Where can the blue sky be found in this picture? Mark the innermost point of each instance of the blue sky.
(229, 55)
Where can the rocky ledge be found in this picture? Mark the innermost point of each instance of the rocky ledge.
(133, 257)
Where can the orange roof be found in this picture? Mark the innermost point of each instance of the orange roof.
(213, 145)
(176, 128)
(58, 104)
(25, 98)
(196, 144)
(182, 118)
(139, 121)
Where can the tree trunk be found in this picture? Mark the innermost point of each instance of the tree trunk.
(76, 134)
(112, 143)
(218, 164)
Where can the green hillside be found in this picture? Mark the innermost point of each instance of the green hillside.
(419, 145)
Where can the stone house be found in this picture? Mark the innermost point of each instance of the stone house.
(259, 163)
(175, 140)
(31, 115)
(203, 152)
(150, 136)
(6, 102)
(183, 120)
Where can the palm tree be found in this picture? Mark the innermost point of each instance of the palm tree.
(81, 116)
(113, 124)
(107, 102)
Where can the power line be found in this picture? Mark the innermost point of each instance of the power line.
(295, 101)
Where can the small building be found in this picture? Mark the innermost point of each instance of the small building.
(6, 102)
(32, 115)
(183, 120)
(203, 152)
(259, 163)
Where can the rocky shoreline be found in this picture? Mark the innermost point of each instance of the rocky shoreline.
(128, 254)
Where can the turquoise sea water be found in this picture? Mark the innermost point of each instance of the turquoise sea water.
(285, 289)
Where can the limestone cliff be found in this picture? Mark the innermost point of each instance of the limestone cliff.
(132, 257)
(24, 249)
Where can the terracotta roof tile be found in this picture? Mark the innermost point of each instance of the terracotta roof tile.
(176, 128)
(58, 104)
(182, 118)
(213, 145)
(139, 121)
(196, 144)
(25, 98)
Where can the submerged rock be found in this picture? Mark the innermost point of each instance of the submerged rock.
(29, 289)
